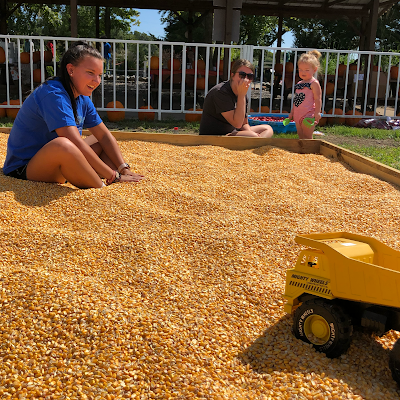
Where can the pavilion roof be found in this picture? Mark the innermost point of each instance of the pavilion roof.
(323, 9)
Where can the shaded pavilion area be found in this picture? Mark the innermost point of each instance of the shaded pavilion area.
(227, 13)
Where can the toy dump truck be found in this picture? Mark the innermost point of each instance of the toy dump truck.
(339, 281)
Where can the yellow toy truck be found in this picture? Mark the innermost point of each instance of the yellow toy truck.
(340, 280)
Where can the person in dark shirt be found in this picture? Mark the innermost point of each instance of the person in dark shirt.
(224, 109)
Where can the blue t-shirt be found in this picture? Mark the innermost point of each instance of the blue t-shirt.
(107, 51)
(45, 110)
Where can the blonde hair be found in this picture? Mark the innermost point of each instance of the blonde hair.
(311, 57)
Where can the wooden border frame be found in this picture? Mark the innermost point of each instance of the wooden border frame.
(356, 161)
(360, 163)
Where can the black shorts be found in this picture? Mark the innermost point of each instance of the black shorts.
(19, 173)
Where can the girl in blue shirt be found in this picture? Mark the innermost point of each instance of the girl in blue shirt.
(45, 141)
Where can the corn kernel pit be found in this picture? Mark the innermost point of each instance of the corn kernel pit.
(172, 288)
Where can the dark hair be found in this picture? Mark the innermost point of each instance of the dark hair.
(74, 56)
(241, 63)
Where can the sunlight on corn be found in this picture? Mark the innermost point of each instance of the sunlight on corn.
(172, 288)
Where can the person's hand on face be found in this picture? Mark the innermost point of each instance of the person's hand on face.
(243, 79)
(243, 86)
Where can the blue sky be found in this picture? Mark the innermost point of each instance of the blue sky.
(287, 40)
(150, 22)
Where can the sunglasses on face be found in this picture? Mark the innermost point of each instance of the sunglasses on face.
(243, 75)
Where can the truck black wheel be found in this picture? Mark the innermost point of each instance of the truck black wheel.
(325, 325)
(394, 361)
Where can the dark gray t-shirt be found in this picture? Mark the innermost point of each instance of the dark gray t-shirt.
(218, 100)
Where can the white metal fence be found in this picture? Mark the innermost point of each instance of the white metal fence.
(174, 77)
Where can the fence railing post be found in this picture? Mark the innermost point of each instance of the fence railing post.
(384, 95)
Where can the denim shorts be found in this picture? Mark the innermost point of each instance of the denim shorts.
(19, 173)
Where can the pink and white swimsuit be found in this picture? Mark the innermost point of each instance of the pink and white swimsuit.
(303, 102)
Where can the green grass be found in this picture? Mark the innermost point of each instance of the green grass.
(386, 155)
(134, 125)
(6, 123)
(286, 136)
(363, 133)
(193, 127)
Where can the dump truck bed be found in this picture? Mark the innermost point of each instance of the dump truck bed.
(359, 268)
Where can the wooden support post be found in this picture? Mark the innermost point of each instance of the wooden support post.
(227, 61)
(369, 44)
(279, 39)
(189, 27)
(373, 24)
(208, 27)
(228, 35)
(97, 93)
(363, 33)
(228, 21)
(280, 31)
(74, 18)
(97, 12)
(107, 22)
(3, 17)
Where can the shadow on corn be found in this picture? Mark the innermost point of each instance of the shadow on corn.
(30, 193)
(281, 360)
(262, 150)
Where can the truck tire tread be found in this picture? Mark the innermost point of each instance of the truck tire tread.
(394, 361)
(343, 329)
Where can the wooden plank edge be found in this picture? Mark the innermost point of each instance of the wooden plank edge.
(229, 142)
(232, 143)
(361, 163)
(358, 162)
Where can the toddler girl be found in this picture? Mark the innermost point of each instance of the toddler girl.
(307, 98)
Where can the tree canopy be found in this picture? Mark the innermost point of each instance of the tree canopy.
(183, 26)
(388, 32)
(54, 20)
(322, 34)
(339, 34)
(259, 30)
(256, 30)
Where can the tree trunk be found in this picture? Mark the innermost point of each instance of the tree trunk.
(74, 18)
(107, 22)
(189, 27)
(3, 17)
(97, 16)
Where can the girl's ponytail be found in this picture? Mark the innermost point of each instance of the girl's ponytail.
(74, 55)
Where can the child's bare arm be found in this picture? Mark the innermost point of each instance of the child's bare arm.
(291, 114)
(316, 89)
